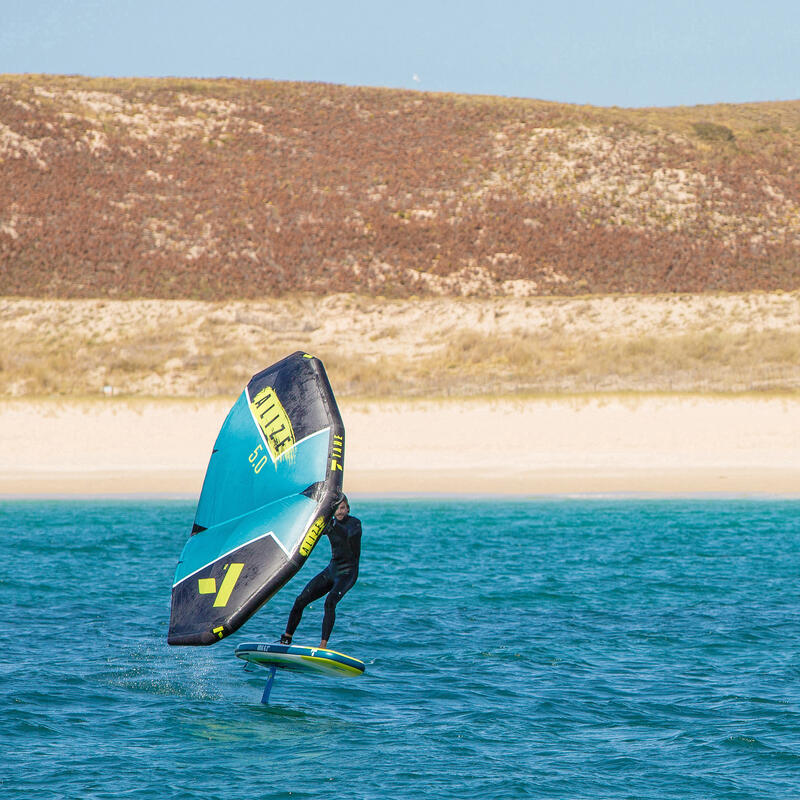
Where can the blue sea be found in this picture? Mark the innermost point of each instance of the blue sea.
(542, 648)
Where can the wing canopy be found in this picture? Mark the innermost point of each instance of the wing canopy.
(275, 470)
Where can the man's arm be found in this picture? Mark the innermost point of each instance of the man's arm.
(355, 544)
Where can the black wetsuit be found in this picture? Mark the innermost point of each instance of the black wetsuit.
(336, 579)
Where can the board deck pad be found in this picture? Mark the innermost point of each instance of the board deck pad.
(299, 658)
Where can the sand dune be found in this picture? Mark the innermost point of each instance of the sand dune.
(405, 348)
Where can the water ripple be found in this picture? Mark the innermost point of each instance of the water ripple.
(552, 648)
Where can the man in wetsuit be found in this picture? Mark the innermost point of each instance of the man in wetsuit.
(344, 533)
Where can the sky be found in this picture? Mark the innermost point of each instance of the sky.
(629, 53)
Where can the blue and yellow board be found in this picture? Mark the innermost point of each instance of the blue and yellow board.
(299, 658)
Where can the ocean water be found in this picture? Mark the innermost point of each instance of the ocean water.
(548, 648)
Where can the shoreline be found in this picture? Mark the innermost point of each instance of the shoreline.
(657, 485)
(643, 445)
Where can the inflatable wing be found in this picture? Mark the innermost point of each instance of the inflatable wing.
(274, 475)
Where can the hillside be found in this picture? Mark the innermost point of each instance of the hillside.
(227, 189)
(427, 347)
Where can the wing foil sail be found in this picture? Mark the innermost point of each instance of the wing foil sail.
(275, 470)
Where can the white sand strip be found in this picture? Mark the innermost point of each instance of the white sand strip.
(657, 445)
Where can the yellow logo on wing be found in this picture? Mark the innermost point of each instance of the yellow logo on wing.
(209, 585)
(311, 537)
(337, 453)
(273, 421)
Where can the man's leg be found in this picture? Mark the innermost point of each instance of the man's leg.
(314, 589)
(336, 593)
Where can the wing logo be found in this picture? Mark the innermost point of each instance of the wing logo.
(337, 453)
(311, 537)
(273, 420)
(209, 585)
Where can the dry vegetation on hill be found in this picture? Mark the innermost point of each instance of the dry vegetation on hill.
(171, 237)
(376, 347)
(239, 189)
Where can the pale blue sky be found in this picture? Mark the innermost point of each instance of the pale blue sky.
(618, 52)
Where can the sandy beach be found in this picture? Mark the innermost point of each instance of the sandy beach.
(644, 444)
